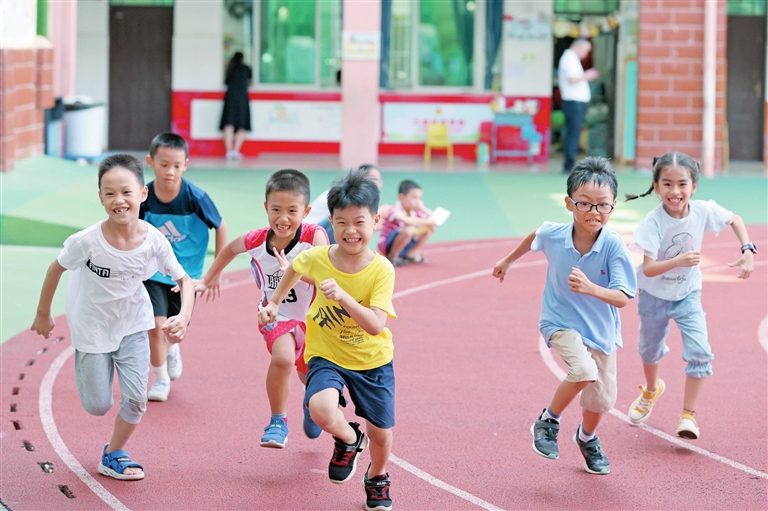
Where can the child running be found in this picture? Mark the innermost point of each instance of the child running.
(108, 309)
(406, 227)
(321, 216)
(348, 344)
(589, 276)
(184, 213)
(669, 282)
(271, 249)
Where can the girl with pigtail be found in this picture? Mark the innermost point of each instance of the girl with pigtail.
(669, 281)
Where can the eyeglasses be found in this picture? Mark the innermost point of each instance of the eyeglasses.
(586, 207)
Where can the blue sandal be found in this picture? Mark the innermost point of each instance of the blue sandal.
(115, 463)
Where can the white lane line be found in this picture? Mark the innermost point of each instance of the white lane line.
(762, 333)
(549, 361)
(49, 425)
(442, 485)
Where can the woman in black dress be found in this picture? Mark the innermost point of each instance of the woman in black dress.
(236, 117)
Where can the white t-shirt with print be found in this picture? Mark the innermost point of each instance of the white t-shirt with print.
(106, 299)
(661, 237)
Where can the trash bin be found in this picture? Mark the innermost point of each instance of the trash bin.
(84, 127)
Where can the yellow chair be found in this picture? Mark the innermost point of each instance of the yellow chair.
(437, 138)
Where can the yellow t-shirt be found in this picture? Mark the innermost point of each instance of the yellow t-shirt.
(331, 332)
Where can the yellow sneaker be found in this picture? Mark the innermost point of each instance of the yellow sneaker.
(687, 427)
(643, 405)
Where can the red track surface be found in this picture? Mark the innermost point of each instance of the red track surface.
(470, 380)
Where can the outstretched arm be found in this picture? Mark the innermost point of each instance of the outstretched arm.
(43, 323)
(214, 286)
(746, 262)
(225, 256)
(501, 268)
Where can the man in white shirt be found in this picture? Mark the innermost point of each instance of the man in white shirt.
(575, 93)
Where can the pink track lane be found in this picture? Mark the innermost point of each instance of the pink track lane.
(470, 381)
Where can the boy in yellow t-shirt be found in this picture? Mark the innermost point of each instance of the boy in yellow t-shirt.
(348, 344)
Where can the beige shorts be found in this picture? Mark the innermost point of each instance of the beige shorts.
(586, 364)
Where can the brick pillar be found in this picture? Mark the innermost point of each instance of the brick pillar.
(26, 90)
(671, 79)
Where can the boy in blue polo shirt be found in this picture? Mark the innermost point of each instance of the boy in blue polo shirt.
(184, 214)
(589, 276)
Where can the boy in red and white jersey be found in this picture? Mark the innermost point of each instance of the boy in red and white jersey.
(272, 249)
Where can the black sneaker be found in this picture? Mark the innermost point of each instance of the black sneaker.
(544, 433)
(595, 460)
(344, 460)
(377, 492)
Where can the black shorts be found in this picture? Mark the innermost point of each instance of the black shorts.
(165, 302)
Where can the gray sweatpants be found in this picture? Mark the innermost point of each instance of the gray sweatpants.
(94, 373)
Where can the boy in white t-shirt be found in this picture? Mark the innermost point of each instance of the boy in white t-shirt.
(108, 308)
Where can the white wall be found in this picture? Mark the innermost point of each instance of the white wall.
(18, 24)
(197, 45)
(92, 57)
(527, 48)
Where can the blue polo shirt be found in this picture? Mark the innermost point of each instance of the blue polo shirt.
(608, 264)
(185, 222)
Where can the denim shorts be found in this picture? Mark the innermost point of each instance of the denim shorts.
(391, 239)
(655, 314)
(372, 391)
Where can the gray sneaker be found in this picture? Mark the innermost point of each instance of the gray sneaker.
(544, 433)
(595, 460)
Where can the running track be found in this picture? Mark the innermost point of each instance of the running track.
(471, 378)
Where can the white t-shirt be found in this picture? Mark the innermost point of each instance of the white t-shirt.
(661, 237)
(106, 299)
(570, 67)
(319, 209)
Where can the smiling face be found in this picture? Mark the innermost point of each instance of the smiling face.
(353, 228)
(285, 210)
(169, 164)
(121, 194)
(675, 187)
(590, 192)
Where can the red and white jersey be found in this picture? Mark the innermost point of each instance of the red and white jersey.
(266, 270)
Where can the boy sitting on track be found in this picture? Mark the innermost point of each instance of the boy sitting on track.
(108, 309)
(348, 344)
(590, 274)
(406, 226)
(271, 249)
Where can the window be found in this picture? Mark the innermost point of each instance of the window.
(746, 7)
(432, 44)
(237, 29)
(299, 43)
(446, 42)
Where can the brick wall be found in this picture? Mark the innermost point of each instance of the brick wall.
(670, 104)
(26, 90)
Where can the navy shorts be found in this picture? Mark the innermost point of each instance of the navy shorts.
(372, 391)
(391, 239)
(165, 302)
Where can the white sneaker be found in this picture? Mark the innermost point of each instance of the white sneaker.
(173, 359)
(159, 391)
